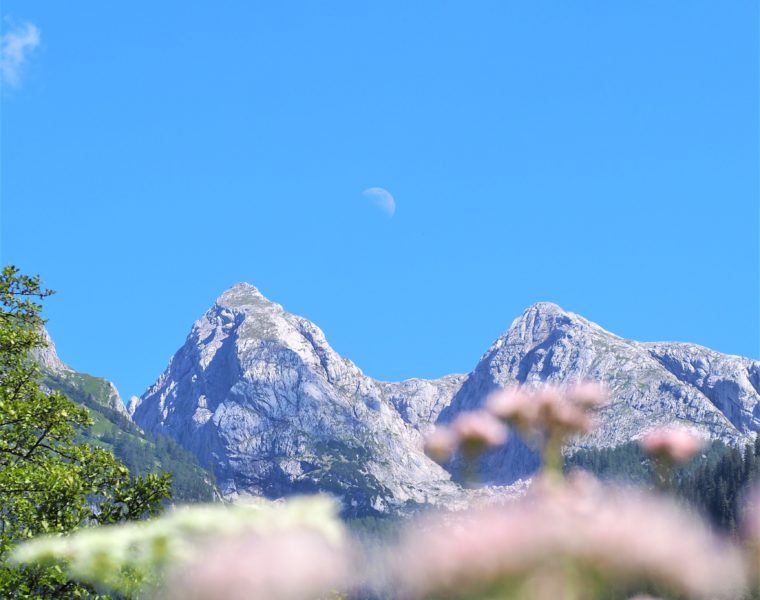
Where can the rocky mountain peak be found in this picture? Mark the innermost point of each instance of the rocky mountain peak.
(537, 329)
(545, 331)
(58, 375)
(258, 394)
(244, 317)
(47, 357)
(244, 296)
(544, 308)
(541, 318)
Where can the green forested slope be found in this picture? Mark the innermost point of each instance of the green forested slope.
(715, 482)
(140, 453)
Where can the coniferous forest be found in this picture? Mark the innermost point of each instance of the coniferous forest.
(713, 483)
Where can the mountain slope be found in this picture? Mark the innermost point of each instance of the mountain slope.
(58, 375)
(649, 384)
(113, 429)
(258, 395)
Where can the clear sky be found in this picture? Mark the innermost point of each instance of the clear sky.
(601, 155)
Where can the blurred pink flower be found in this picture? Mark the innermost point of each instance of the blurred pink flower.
(588, 394)
(674, 443)
(514, 406)
(616, 536)
(479, 429)
(471, 431)
(296, 565)
(548, 410)
(441, 443)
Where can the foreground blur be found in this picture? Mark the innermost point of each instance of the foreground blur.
(568, 538)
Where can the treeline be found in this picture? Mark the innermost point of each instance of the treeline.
(140, 452)
(717, 487)
(713, 483)
(190, 482)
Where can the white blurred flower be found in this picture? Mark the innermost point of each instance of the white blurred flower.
(126, 557)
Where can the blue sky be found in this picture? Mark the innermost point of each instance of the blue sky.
(601, 155)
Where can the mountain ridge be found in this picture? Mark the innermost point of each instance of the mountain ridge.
(57, 373)
(259, 395)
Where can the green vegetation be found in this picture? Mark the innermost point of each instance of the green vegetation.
(141, 453)
(716, 486)
(51, 482)
(713, 483)
(627, 462)
(342, 467)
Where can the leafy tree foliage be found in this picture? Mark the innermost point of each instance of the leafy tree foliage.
(50, 482)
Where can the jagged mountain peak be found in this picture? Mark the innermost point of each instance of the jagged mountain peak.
(539, 325)
(253, 322)
(650, 383)
(47, 356)
(244, 295)
(58, 375)
(543, 316)
(544, 307)
(258, 393)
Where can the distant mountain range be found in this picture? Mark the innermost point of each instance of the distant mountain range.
(259, 397)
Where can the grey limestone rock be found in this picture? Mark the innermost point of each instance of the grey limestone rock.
(259, 396)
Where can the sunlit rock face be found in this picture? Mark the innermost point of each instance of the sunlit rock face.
(649, 383)
(47, 356)
(258, 395)
(59, 376)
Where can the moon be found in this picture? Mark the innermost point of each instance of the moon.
(381, 198)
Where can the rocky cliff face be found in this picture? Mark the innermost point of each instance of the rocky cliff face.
(730, 383)
(58, 375)
(47, 356)
(257, 394)
(649, 384)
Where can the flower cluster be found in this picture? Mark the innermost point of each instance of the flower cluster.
(472, 432)
(543, 415)
(674, 444)
(568, 542)
(547, 411)
(134, 556)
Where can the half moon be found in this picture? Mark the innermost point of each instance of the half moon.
(381, 198)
